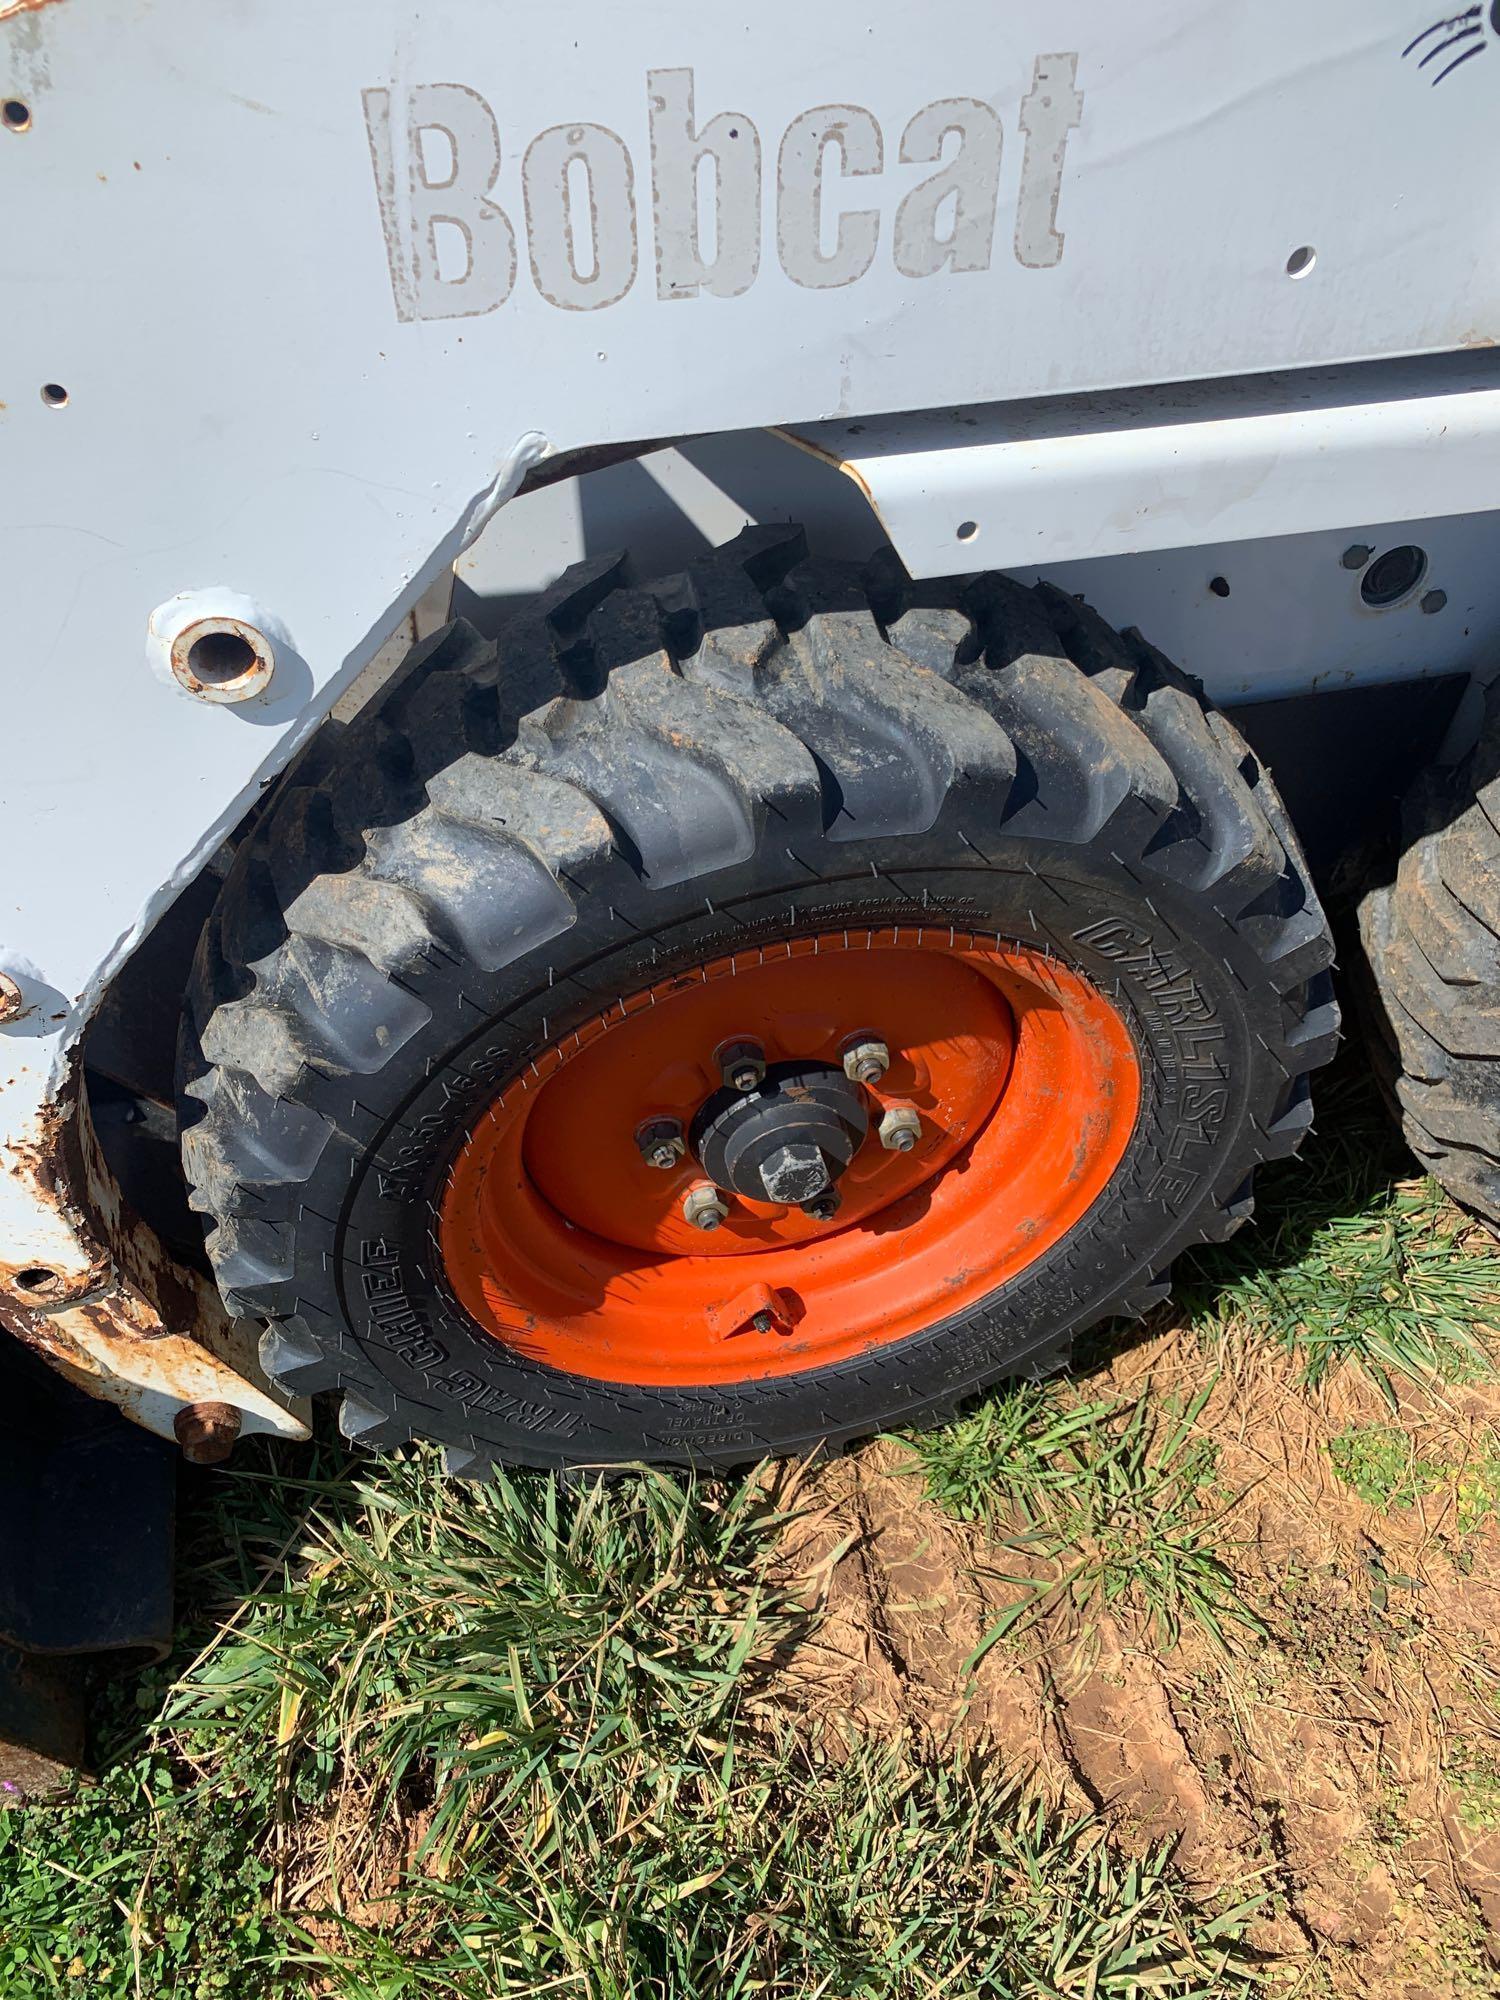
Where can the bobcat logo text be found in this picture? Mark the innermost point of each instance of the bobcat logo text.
(586, 206)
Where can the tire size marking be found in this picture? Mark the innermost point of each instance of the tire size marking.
(399, 1178)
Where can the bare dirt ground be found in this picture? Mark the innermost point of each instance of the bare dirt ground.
(1344, 1761)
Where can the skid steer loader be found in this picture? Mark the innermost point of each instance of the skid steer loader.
(728, 996)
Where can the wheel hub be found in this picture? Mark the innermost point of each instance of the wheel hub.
(785, 1158)
(788, 1140)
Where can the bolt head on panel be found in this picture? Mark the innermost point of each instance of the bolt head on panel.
(207, 1431)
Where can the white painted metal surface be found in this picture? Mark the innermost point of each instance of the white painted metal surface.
(295, 295)
(150, 1381)
(202, 244)
(1011, 484)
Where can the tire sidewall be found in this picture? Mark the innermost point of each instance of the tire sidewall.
(1197, 999)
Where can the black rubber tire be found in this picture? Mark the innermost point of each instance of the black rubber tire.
(634, 779)
(1432, 945)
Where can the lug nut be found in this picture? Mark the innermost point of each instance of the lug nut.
(742, 1065)
(823, 1207)
(900, 1128)
(703, 1206)
(866, 1061)
(661, 1142)
(794, 1173)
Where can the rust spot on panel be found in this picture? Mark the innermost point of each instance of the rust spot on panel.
(48, 1162)
(588, 458)
(117, 1314)
(845, 465)
(10, 8)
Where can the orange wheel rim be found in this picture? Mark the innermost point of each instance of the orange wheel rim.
(563, 1242)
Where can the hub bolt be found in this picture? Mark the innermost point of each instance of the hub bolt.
(742, 1065)
(794, 1173)
(823, 1207)
(866, 1060)
(900, 1128)
(661, 1142)
(703, 1206)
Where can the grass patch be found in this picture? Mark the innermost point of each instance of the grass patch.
(1381, 1465)
(1010, 1453)
(874, 1877)
(1474, 1778)
(128, 1893)
(514, 1739)
(1351, 1260)
(1477, 1487)
(1116, 1502)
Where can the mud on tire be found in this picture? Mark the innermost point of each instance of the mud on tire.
(1432, 945)
(635, 779)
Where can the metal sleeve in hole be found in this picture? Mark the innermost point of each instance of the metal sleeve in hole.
(222, 659)
(37, 1278)
(1393, 576)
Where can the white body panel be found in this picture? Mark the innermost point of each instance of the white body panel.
(1157, 468)
(262, 334)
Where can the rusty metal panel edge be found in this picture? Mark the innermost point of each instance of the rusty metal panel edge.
(113, 1311)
